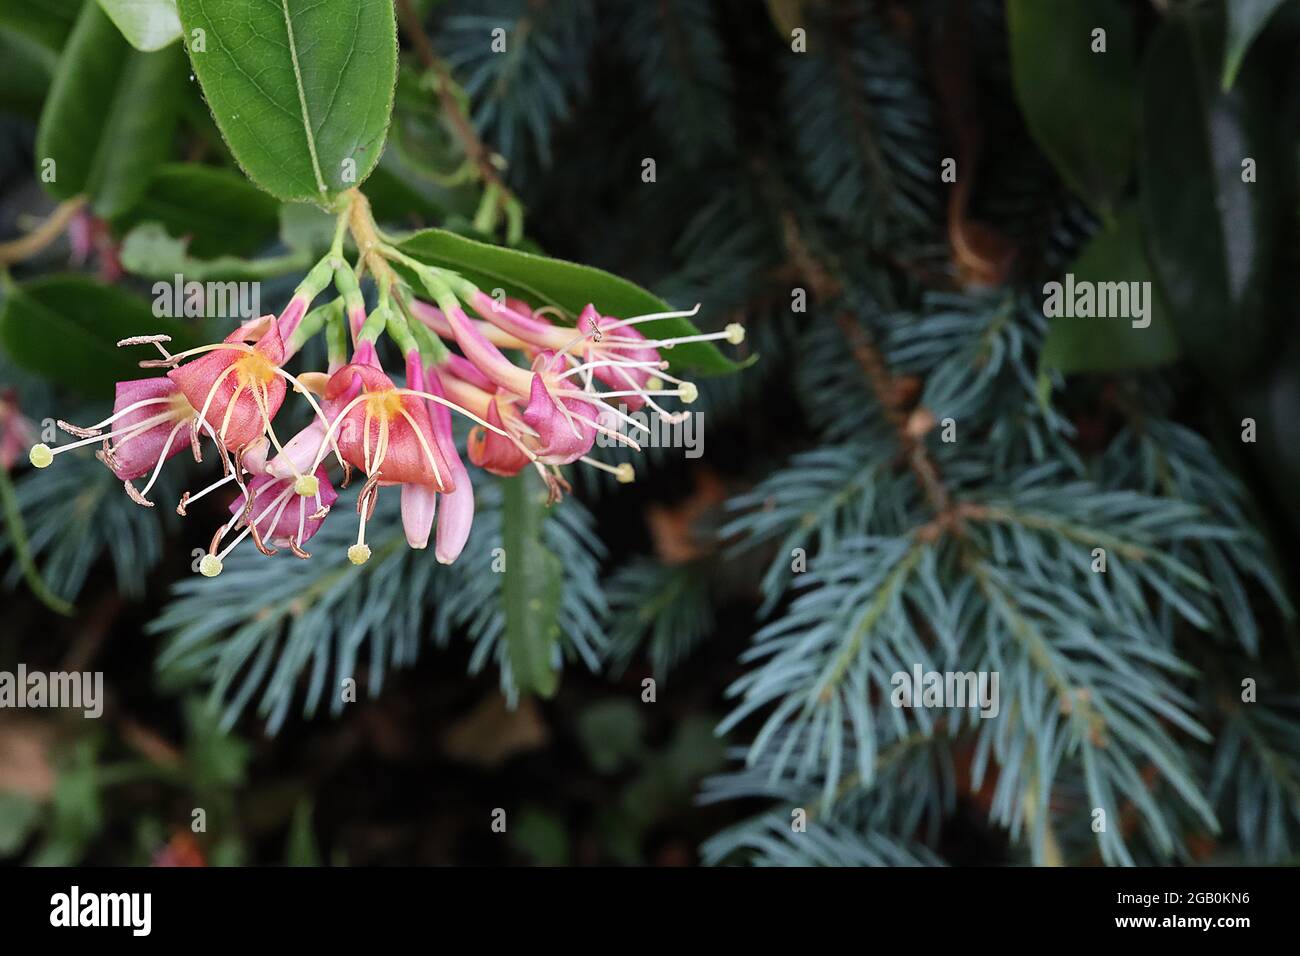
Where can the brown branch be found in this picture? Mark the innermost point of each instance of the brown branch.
(909, 425)
(478, 152)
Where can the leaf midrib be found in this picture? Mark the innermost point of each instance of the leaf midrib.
(302, 99)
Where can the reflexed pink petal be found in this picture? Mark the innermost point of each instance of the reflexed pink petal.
(561, 438)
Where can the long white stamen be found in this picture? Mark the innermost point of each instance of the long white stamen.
(620, 415)
(623, 472)
(212, 393)
(618, 436)
(230, 408)
(215, 347)
(365, 440)
(262, 397)
(311, 399)
(611, 363)
(162, 457)
(212, 487)
(455, 408)
(134, 429)
(428, 452)
(568, 415)
(729, 334)
(637, 320)
(253, 522)
(663, 412)
(329, 432)
(126, 411)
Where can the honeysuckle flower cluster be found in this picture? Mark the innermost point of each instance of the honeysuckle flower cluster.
(537, 392)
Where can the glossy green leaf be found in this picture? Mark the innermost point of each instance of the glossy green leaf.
(147, 25)
(109, 117)
(65, 329)
(301, 89)
(1080, 105)
(1246, 18)
(217, 210)
(531, 589)
(1077, 344)
(542, 281)
(1213, 237)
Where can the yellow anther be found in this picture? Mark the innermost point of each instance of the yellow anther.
(625, 473)
(735, 333)
(687, 392)
(359, 553)
(210, 566)
(306, 485)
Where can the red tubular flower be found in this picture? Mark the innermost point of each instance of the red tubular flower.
(237, 389)
(386, 434)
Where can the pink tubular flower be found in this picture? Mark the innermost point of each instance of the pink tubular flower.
(276, 513)
(562, 419)
(457, 514)
(612, 351)
(419, 501)
(566, 427)
(273, 512)
(152, 420)
(238, 389)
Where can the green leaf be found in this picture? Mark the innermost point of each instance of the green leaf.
(65, 329)
(148, 25)
(1214, 238)
(1115, 254)
(48, 22)
(148, 250)
(301, 89)
(568, 286)
(109, 117)
(218, 210)
(1246, 18)
(26, 77)
(531, 588)
(1080, 106)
